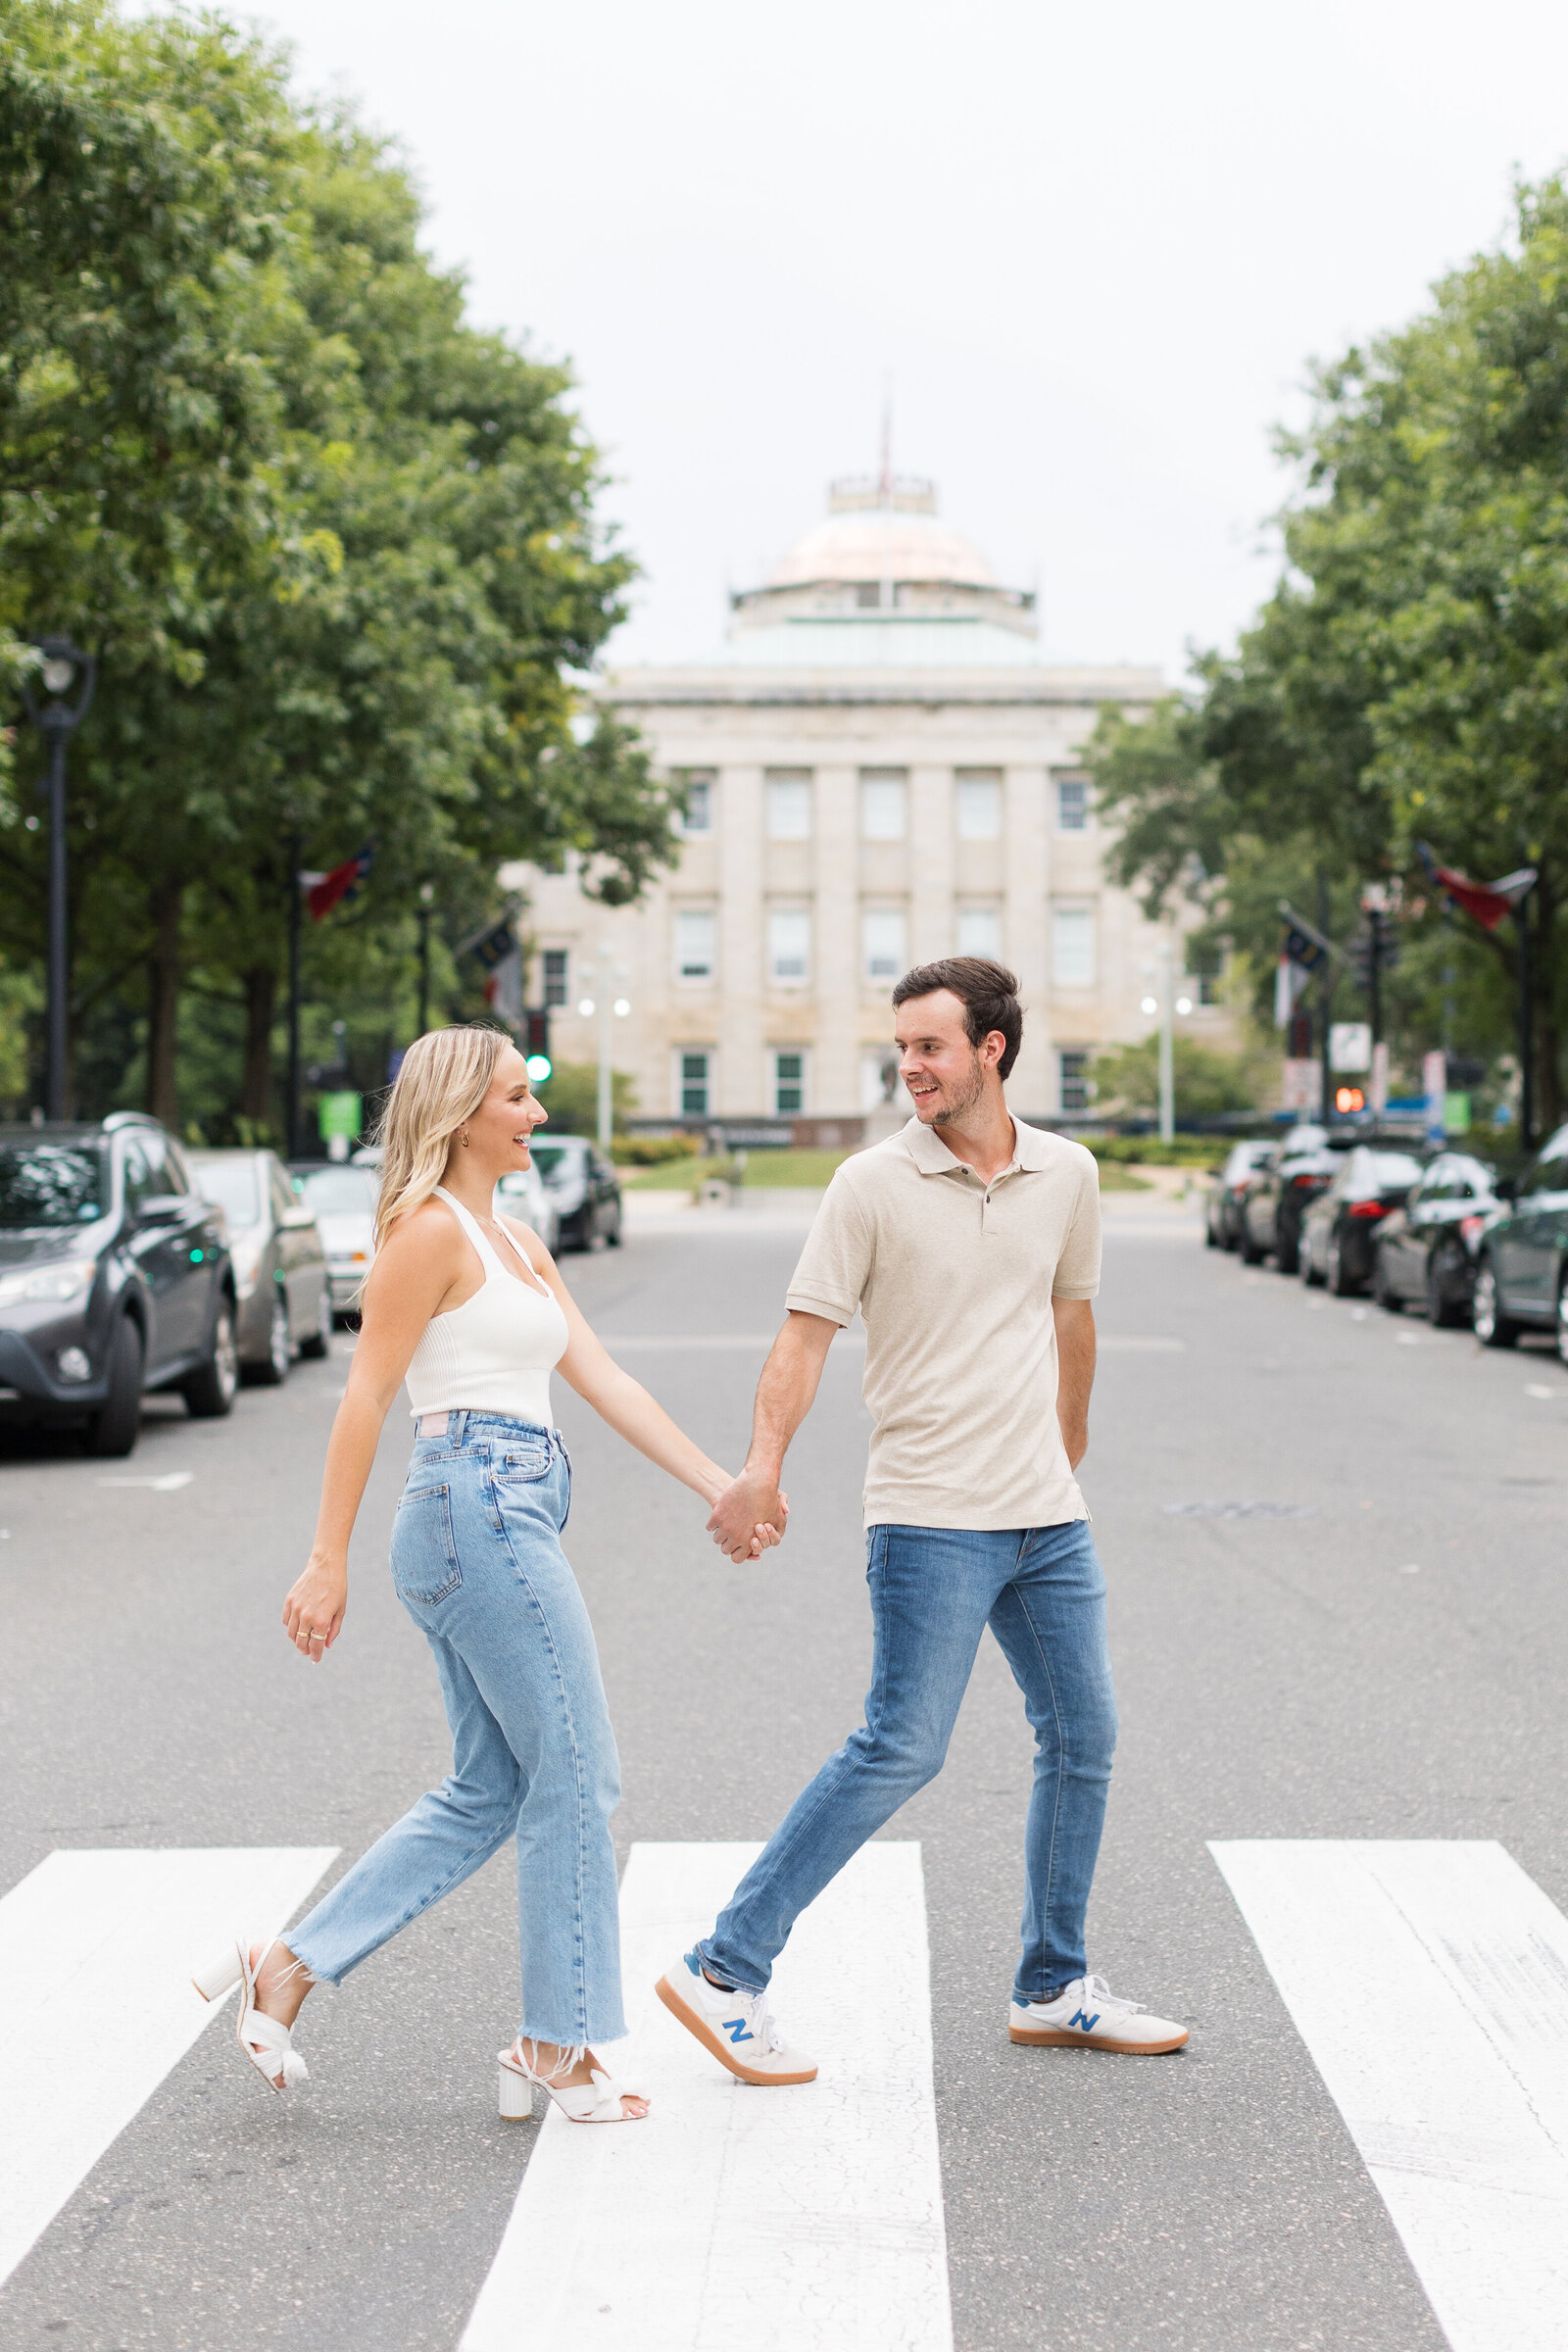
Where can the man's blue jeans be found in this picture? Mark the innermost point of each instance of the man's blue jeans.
(934, 1590)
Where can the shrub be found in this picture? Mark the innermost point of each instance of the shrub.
(650, 1151)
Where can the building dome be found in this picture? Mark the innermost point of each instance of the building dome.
(881, 557)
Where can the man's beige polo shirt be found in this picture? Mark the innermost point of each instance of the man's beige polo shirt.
(955, 1279)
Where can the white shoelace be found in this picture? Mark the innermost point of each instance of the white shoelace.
(1097, 1989)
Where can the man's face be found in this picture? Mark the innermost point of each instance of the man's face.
(945, 1074)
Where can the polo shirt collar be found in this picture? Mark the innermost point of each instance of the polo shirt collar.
(932, 1157)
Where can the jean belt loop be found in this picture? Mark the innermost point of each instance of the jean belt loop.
(457, 1425)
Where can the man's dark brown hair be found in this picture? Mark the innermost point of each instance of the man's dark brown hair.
(988, 993)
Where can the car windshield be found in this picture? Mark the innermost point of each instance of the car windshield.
(52, 1184)
(339, 1191)
(230, 1184)
(1393, 1167)
(551, 1159)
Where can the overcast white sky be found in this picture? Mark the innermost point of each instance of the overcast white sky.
(1092, 246)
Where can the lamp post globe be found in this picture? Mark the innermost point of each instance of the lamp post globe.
(65, 676)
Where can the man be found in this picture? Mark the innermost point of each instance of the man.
(971, 1247)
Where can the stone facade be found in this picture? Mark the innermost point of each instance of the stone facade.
(881, 771)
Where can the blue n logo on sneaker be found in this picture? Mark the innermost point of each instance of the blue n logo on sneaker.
(737, 2029)
(1088, 2023)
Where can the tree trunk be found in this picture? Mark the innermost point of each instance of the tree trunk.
(1543, 988)
(261, 1001)
(163, 1004)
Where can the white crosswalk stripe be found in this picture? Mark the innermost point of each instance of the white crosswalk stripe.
(1429, 1982)
(96, 2003)
(802, 2220)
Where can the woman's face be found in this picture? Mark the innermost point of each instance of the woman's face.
(500, 1129)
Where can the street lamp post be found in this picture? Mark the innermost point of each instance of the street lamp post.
(67, 675)
(608, 1010)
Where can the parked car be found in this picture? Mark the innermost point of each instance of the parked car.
(524, 1194)
(342, 1200)
(1279, 1190)
(1429, 1250)
(1222, 1219)
(282, 1288)
(584, 1187)
(1522, 1261)
(1338, 1231)
(114, 1278)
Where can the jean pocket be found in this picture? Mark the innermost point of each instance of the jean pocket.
(523, 1465)
(424, 1550)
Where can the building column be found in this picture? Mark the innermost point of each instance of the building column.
(836, 944)
(1026, 930)
(933, 931)
(738, 1038)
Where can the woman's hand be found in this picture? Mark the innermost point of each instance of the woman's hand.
(313, 1613)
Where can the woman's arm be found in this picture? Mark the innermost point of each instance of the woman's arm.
(588, 1367)
(415, 1268)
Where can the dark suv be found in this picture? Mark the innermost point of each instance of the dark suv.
(114, 1279)
(1522, 1267)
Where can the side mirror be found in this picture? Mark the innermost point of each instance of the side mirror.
(162, 1208)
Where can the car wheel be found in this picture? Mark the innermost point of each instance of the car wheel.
(1212, 1239)
(115, 1426)
(320, 1342)
(1444, 1280)
(1339, 1275)
(1562, 1321)
(1288, 1251)
(613, 1237)
(208, 1392)
(1251, 1255)
(1492, 1326)
(593, 1230)
(273, 1370)
(1388, 1298)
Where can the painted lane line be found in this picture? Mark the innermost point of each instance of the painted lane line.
(96, 2002)
(1114, 1344)
(806, 2220)
(1429, 1982)
(169, 1483)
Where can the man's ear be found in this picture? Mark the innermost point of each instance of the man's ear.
(993, 1046)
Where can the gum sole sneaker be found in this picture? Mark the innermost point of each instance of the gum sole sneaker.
(734, 2025)
(1089, 2016)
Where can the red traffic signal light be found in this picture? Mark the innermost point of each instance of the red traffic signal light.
(1349, 1097)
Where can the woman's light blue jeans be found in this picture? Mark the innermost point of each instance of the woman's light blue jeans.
(934, 1590)
(478, 1563)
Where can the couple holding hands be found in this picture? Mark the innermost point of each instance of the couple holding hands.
(970, 1246)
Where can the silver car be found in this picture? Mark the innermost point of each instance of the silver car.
(283, 1301)
(524, 1194)
(342, 1200)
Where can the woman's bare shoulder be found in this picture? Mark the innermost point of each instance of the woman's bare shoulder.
(429, 1229)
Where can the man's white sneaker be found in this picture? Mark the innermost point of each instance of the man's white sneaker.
(1089, 2016)
(735, 2025)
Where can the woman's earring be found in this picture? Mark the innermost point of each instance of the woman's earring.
(464, 1139)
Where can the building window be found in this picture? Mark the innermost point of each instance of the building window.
(702, 792)
(695, 940)
(691, 1081)
(1072, 947)
(980, 932)
(882, 943)
(1072, 803)
(789, 947)
(883, 792)
(555, 976)
(1206, 965)
(789, 1081)
(1074, 1091)
(788, 794)
(869, 595)
(978, 798)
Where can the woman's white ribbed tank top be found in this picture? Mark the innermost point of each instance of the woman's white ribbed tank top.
(494, 1352)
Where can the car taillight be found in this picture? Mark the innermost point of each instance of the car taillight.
(1369, 1208)
(1469, 1227)
(1305, 1182)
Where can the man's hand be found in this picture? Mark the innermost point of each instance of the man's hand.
(748, 1503)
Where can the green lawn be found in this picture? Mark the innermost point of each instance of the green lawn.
(807, 1169)
(1113, 1179)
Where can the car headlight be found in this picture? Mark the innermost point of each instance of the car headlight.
(59, 1283)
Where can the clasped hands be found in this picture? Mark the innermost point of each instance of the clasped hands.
(749, 1517)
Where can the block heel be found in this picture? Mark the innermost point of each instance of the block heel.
(517, 2095)
(222, 1976)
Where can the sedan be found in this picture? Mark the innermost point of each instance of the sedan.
(585, 1190)
(526, 1195)
(1279, 1192)
(1429, 1250)
(280, 1277)
(1222, 1222)
(1522, 1269)
(1339, 1231)
(342, 1200)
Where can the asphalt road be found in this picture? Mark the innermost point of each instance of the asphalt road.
(1386, 1663)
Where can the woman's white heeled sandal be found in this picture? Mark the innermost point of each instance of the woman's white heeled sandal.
(598, 2102)
(266, 2042)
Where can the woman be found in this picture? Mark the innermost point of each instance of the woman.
(472, 1311)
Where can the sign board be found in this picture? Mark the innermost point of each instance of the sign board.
(1300, 1084)
(1350, 1045)
(1378, 1092)
(1456, 1114)
(1435, 1085)
(339, 1114)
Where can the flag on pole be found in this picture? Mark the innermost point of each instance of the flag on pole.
(1301, 958)
(1488, 902)
(498, 951)
(324, 891)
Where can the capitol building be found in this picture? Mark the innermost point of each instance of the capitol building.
(880, 770)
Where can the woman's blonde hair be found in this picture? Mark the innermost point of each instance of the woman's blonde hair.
(444, 1078)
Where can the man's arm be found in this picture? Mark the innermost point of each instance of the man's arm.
(1075, 1373)
(784, 1397)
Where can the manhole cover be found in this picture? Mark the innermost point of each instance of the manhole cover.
(1237, 1510)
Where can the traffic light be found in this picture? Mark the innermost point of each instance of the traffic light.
(1349, 1097)
(537, 1044)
